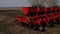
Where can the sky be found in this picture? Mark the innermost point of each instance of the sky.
(18, 3)
(14, 3)
(58, 2)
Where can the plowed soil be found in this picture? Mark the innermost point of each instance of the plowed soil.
(8, 25)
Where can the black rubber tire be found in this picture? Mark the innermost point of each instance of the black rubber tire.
(21, 23)
(30, 25)
(42, 28)
(58, 21)
(51, 24)
(36, 27)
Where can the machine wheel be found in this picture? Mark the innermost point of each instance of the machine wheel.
(58, 21)
(36, 27)
(21, 23)
(51, 23)
(42, 28)
(29, 25)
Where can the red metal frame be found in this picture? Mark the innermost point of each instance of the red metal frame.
(39, 20)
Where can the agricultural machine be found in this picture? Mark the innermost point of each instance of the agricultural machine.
(38, 17)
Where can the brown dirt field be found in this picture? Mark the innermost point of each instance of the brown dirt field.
(8, 25)
(14, 8)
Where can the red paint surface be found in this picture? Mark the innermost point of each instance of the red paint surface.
(25, 10)
(38, 20)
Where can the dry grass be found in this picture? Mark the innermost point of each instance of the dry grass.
(9, 26)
